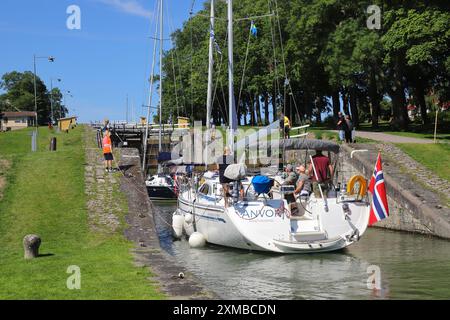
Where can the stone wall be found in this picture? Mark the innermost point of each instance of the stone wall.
(412, 207)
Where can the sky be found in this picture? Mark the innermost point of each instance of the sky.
(102, 63)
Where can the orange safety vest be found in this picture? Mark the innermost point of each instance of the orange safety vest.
(106, 144)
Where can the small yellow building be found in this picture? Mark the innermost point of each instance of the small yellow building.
(65, 124)
(183, 122)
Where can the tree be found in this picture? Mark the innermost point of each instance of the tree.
(19, 94)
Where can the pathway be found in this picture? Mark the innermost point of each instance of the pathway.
(392, 138)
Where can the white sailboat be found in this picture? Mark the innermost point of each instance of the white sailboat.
(262, 219)
(160, 186)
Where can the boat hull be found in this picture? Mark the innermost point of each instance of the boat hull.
(267, 226)
(161, 193)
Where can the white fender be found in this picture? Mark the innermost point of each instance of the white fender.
(177, 225)
(197, 240)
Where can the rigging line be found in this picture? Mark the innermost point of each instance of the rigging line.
(173, 61)
(147, 63)
(218, 76)
(255, 17)
(175, 85)
(243, 71)
(284, 61)
(175, 52)
(192, 63)
(277, 87)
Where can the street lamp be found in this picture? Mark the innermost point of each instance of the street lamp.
(67, 93)
(50, 59)
(51, 99)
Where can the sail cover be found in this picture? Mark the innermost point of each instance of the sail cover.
(309, 144)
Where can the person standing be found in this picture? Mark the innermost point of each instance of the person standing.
(107, 150)
(287, 127)
(348, 129)
(322, 174)
(222, 163)
(341, 126)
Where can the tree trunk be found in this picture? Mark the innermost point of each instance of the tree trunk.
(374, 100)
(345, 108)
(397, 93)
(258, 110)
(354, 107)
(266, 109)
(252, 110)
(336, 104)
(420, 95)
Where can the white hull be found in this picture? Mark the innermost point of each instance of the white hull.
(261, 224)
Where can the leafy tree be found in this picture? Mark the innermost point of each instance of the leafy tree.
(19, 95)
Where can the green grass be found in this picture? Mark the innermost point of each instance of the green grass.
(440, 137)
(435, 157)
(45, 195)
(324, 133)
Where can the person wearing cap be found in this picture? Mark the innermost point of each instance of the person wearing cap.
(289, 168)
(303, 186)
(291, 180)
(107, 150)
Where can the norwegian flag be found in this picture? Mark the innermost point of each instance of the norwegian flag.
(379, 209)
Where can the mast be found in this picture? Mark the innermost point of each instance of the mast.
(210, 69)
(232, 110)
(160, 72)
(150, 97)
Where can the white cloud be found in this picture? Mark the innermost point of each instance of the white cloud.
(129, 6)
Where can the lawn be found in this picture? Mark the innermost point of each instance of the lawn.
(435, 157)
(45, 195)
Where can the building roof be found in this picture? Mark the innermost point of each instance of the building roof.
(68, 118)
(13, 114)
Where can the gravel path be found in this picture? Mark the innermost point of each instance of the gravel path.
(385, 137)
(100, 187)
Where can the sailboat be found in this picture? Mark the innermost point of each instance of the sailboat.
(160, 186)
(256, 215)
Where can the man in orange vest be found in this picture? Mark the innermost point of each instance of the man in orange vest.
(107, 151)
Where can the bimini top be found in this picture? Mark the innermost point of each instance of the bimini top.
(309, 144)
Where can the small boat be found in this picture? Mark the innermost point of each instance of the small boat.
(161, 187)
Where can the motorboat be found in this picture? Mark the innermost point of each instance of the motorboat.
(161, 187)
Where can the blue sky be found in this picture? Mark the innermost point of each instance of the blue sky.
(100, 64)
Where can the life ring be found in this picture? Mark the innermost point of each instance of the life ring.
(362, 185)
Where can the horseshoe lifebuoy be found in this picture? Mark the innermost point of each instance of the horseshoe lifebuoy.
(362, 191)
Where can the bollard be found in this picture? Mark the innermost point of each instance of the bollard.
(31, 245)
(53, 144)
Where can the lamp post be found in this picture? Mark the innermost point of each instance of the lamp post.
(67, 93)
(50, 59)
(51, 99)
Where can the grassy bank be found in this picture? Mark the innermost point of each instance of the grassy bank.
(45, 195)
(435, 157)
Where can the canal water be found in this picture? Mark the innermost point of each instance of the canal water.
(410, 267)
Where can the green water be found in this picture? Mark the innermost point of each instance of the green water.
(411, 267)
